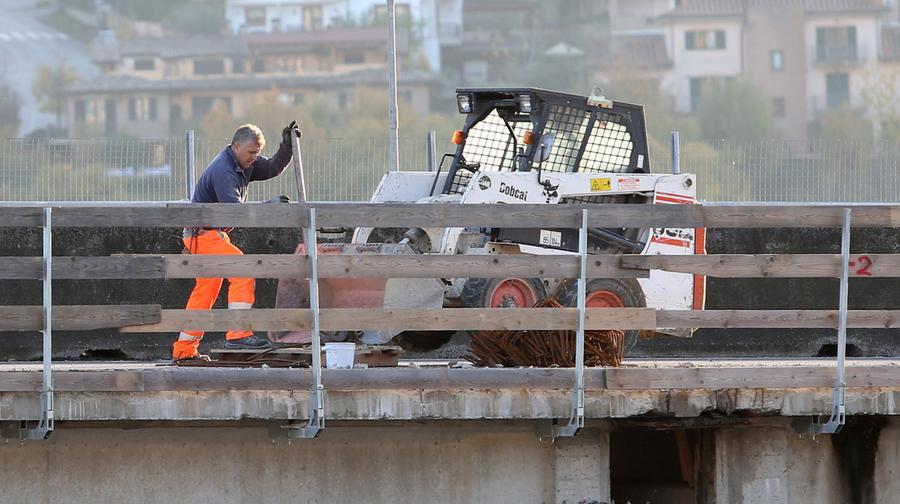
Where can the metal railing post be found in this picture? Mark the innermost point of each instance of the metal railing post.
(838, 411)
(44, 427)
(190, 169)
(316, 421)
(576, 418)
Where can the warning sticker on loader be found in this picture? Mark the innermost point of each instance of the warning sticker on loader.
(551, 238)
(600, 184)
(629, 184)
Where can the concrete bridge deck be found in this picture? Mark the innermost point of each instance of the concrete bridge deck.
(158, 391)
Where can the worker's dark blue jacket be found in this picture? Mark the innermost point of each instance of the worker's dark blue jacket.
(224, 181)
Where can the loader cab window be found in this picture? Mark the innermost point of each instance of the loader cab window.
(490, 143)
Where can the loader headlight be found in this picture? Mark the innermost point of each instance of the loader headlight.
(464, 102)
(525, 103)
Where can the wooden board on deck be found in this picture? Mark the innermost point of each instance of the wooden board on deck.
(372, 356)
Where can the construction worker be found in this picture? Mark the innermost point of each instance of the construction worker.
(225, 180)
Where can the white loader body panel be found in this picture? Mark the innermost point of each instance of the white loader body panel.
(663, 290)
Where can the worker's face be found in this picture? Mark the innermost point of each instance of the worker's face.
(246, 153)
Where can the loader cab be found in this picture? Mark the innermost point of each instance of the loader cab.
(526, 129)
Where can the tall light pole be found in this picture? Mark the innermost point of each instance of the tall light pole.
(392, 86)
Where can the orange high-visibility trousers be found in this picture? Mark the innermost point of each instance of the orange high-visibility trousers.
(240, 290)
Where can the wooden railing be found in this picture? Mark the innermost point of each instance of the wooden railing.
(144, 318)
(148, 318)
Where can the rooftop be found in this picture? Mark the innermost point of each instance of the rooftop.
(130, 84)
(729, 8)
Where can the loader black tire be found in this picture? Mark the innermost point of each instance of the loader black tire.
(625, 292)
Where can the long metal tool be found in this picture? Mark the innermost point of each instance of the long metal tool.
(576, 418)
(44, 427)
(838, 411)
(316, 421)
(297, 162)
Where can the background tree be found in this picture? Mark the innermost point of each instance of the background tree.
(734, 110)
(49, 85)
(9, 111)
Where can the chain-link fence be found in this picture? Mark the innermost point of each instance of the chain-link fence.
(348, 169)
(779, 171)
(41, 169)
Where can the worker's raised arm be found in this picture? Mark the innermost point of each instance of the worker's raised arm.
(266, 168)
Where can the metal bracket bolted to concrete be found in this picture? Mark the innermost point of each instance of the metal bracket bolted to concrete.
(576, 417)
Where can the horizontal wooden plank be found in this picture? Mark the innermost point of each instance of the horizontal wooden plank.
(776, 318)
(84, 267)
(330, 266)
(149, 318)
(409, 215)
(77, 317)
(358, 319)
(162, 379)
(770, 265)
(21, 268)
(748, 377)
(391, 266)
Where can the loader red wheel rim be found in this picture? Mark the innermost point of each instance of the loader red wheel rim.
(513, 293)
(603, 299)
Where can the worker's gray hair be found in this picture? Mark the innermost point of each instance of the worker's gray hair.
(247, 133)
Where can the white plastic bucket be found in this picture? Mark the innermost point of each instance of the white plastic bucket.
(339, 355)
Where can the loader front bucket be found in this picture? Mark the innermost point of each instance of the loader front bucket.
(357, 292)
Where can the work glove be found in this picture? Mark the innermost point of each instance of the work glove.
(286, 132)
(281, 198)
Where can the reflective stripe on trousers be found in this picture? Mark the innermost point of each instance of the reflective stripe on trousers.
(240, 290)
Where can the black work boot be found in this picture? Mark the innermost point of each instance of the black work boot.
(252, 342)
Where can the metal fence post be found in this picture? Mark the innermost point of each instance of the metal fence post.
(431, 150)
(676, 153)
(392, 86)
(189, 163)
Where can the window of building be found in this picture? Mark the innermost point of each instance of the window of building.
(354, 58)
(201, 105)
(142, 108)
(145, 64)
(255, 16)
(312, 17)
(285, 64)
(777, 58)
(837, 90)
(835, 44)
(698, 40)
(90, 111)
(209, 67)
(779, 109)
(259, 65)
(237, 65)
(343, 100)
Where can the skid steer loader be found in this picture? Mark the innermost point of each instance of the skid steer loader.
(524, 146)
